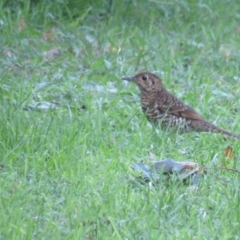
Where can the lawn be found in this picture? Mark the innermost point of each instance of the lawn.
(71, 128)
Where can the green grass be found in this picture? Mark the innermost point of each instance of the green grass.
(66, 169)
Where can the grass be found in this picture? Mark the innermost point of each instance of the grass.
(70, 128)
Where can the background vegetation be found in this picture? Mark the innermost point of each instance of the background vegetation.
(71, 129)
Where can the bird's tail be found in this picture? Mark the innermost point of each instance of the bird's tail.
(235, 136)
(205, 126)
(224, 132)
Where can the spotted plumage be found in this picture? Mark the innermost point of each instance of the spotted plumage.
(162, 107)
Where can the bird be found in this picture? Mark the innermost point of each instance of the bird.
(163, 108)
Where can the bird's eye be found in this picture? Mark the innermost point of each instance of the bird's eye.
(144, 78)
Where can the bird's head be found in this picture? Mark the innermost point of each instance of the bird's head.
(147, 82)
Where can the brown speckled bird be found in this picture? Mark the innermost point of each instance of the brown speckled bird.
(161, 106)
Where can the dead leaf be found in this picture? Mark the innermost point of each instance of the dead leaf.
(7, 53)
(226, 52)
(161, 170)
(109, 48)
(21, 25)
(49, 36)
(228, 152)
(182, 152)
(238, 28)
(52, 52)
(151, 156)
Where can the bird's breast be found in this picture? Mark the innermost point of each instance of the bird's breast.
(151, 109)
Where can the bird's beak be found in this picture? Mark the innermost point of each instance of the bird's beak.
(128, 78)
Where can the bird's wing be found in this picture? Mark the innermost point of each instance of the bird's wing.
(185, 112)
(174, 106)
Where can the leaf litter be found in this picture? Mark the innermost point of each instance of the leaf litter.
(158, 171)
